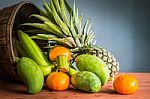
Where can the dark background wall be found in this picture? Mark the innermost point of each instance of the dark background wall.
(121, 26)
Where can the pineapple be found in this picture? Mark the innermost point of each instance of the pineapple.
(62, 25)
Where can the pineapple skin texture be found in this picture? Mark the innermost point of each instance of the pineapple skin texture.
(109, 59)
(87, 62)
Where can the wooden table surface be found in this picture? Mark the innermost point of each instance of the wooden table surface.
(18, 91)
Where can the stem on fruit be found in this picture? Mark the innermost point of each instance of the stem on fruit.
(62, 63)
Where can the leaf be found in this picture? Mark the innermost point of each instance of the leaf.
(36, 31)
(48, 10)
(40, 17)
(89, 29)
(55, 28)
(85, 27)
(42, 26)
(79, 26)
(84, 34)
(38, 37)
(68, 7)
(88, 39)
(64, 13)
(46, 36)
(91, 39)
(58, 9)
(43, 13)
(74, 35)
(58, 20)
(50, 37)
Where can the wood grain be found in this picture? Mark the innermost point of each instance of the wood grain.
(18, 91)
(10, 18)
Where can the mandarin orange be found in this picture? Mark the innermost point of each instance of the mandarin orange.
(125, 84)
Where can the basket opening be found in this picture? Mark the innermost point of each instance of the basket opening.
(22, 16)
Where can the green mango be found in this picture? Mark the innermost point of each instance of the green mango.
(86, 81)
(31, 49)
(86, 62)
(31, 74)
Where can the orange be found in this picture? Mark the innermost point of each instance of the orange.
(58, 81)
(125, 84)
(59, 50)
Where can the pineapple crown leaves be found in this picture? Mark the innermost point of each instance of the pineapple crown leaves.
(61, 21)
(65, 41)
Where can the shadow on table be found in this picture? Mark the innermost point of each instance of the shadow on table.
(106, 90)
(10, 87)
(15, 88)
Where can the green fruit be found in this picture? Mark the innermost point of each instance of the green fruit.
(30, 73)
(46, 70)
(32, 49)
(86, 62)
(86, 81)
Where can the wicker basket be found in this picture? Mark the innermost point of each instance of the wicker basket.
(10, 18)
